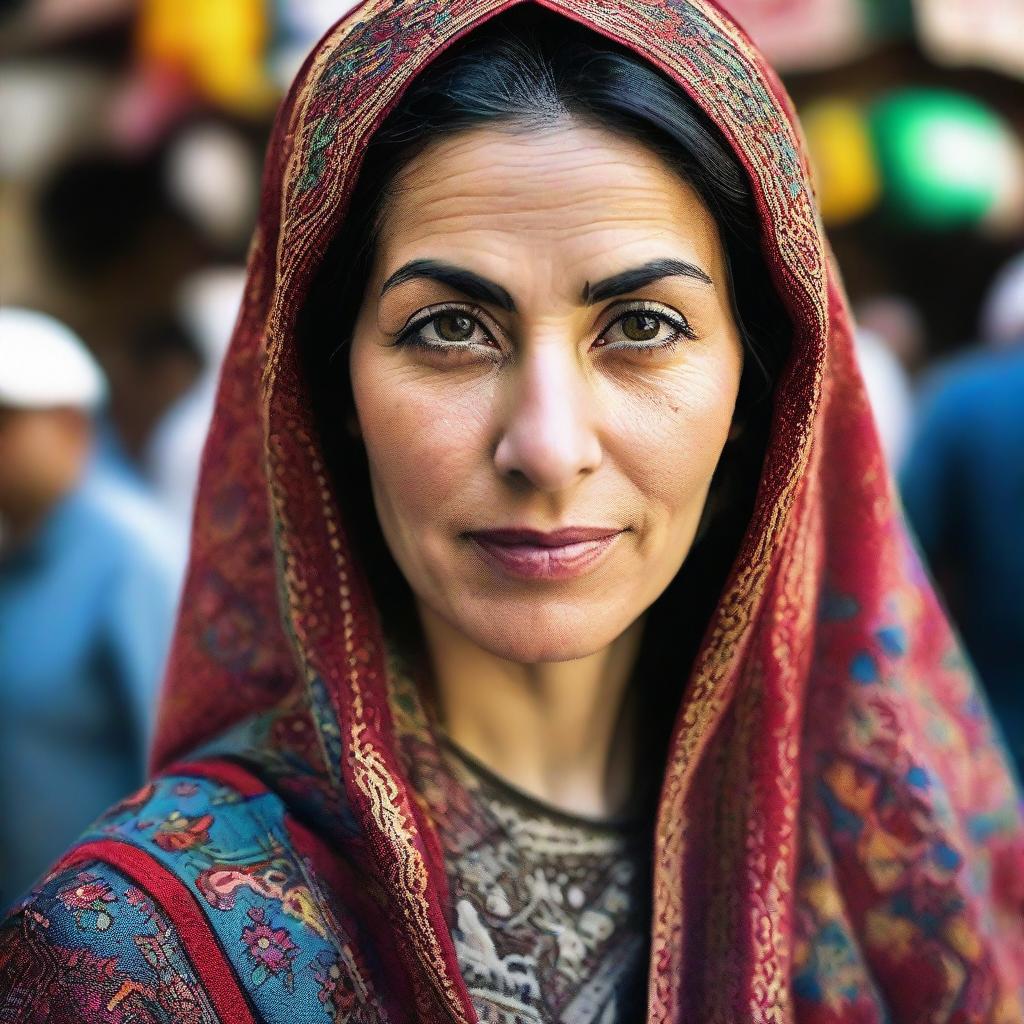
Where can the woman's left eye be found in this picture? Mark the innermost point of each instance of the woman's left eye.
(645, 330)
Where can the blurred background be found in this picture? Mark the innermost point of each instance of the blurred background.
(131, 142)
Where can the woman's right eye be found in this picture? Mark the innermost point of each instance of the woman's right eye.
(455, 327)
(447, 331)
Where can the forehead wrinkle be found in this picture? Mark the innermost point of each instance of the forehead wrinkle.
(606, 160)
(456, 230)
(537, 181)
(585, 176)
(582, 212)
(632, 208)
(579, 218)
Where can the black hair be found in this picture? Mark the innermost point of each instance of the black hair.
(526, 69)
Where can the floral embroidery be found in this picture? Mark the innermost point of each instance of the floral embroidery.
(270, 947)
(336, 991)
(135, 802)
(138, 899)
(133, 970)
(181, 833)
(89, 894)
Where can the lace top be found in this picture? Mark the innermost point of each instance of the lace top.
(551, 910)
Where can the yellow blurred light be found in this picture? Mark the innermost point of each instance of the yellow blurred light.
(842, 155)
(219, 47)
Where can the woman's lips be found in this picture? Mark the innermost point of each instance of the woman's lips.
(533, 555)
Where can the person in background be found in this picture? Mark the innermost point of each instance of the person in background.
(888, 390)
(208, 306)
(1002, 315)
(899, 325)
(963, 487)
(87, 596)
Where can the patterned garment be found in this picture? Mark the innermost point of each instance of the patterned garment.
(551, 910)
(91, 946)
(838, 839)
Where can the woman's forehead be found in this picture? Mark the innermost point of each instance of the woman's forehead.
(575, 193)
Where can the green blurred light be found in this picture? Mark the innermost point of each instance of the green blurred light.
(944, 156)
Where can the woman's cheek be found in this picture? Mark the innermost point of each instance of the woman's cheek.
(421, 443)
(684, 419)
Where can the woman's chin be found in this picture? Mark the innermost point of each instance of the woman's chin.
(536, 636)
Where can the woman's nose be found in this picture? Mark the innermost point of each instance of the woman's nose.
(548, 430)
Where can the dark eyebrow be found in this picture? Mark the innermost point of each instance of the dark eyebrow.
(471, 285)
(637, 277)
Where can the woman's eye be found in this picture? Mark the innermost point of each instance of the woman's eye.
(454, 326)
(646, 330)
(640, 326)
(446, 331)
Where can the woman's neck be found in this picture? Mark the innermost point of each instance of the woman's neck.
(563, 732)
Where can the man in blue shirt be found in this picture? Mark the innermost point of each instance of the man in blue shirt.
(88, 585)
(963, 487)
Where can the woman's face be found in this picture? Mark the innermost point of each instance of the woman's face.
(546, 341)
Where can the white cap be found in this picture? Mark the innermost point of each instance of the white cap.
(44, 364)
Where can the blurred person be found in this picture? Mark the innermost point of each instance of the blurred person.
(208, 307)
(963, 487)
(87, 597)
(898, 324)
(1002, 312)
(888, 391)
(889, 339)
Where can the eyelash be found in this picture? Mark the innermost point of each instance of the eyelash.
(412, 338)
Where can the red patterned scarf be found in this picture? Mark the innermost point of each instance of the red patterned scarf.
(838, 837)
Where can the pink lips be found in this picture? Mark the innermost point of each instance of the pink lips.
(534, 555)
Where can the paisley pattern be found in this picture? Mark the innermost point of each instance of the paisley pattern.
(234, 855)
(838, 837)
(89, 945)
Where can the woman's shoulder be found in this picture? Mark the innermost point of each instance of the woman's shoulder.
(90, 945)
(196, 892)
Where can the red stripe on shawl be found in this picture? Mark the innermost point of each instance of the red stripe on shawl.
(305, 841)
(229, 773)
(178, 903)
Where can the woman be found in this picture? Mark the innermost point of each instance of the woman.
(714, 757)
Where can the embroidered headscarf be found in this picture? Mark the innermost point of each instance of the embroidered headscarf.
(837, 835)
